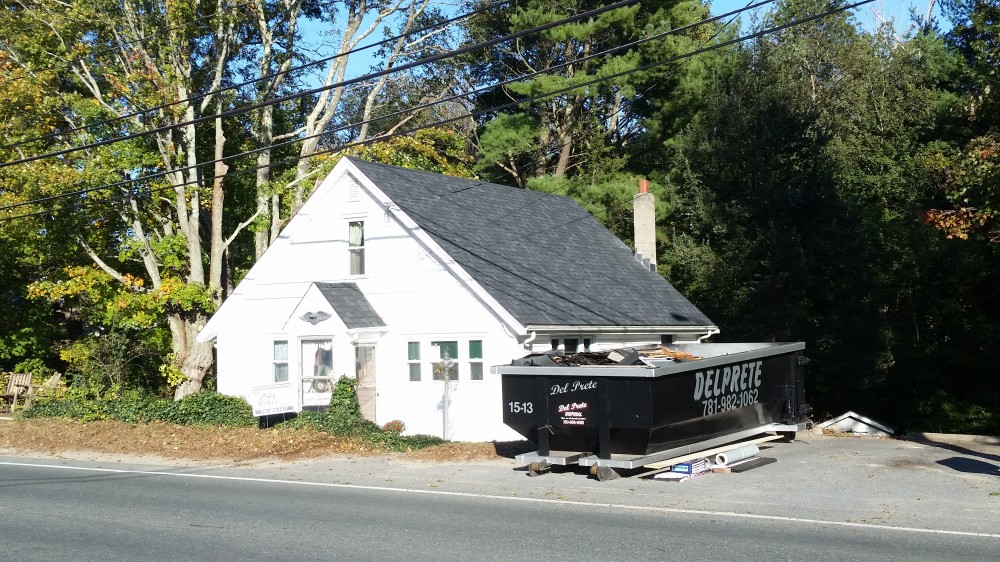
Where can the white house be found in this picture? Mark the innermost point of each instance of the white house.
(397, 277)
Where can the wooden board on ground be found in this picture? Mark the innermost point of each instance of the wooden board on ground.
(709, 452)
(753, 463)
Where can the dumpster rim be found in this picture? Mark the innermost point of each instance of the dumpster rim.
(768, 349)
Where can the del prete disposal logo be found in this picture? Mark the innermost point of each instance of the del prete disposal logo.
(573, 413)
(729, 387)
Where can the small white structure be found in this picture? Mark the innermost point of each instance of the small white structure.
(852, 422)
(404, 279)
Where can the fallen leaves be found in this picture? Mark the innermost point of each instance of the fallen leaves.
(210, 443)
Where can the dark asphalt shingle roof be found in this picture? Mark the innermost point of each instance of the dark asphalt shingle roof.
(543, 257)
(351, 305)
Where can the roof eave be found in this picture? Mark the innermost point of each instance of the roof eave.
(621, 329)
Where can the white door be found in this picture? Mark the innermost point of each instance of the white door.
(364, 371)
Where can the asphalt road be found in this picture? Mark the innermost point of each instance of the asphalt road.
(389, 509)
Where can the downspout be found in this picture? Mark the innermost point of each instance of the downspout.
(708, 335)
(527, 343)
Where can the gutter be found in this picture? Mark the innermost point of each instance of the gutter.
(563, 329)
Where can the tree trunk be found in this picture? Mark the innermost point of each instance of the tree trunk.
(193, 358)
(276, 58)
(217, 244)
(373, 17)
(262, 237)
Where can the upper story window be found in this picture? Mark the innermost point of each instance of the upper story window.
(356, 247)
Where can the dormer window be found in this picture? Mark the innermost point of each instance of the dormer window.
(356, 247)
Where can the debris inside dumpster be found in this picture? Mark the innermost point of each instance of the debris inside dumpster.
(627, 356)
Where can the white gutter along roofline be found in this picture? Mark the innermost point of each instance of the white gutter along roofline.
(621, 329)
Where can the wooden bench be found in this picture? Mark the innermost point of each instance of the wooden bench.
(18, 386)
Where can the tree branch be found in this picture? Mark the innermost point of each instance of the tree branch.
(97, 259)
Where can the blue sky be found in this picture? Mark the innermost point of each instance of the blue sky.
(897, 11)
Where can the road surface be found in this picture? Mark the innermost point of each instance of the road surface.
(377, 509)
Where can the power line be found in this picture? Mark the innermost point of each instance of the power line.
(414, 64)
(496, 108)
(413, 109)
(263, 77)
(137, 40)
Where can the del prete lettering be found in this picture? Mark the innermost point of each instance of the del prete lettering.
(573, 387)
(729, 387)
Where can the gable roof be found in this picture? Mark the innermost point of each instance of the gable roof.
(350, 303)
(543, 257)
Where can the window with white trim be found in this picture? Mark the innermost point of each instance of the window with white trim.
(413, 359)
(476, 367)
(279, 361)
(356, 247)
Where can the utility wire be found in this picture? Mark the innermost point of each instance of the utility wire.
(137, 40)
(414, 64)
(651, 65)
(263, 77)
(409, 110)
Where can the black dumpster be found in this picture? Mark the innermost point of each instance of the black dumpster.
(658, 404)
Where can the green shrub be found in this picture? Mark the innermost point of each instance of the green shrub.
(418, 441)
(35, 366)
(203, 408)
(943, 413)
(344, 398)
(76, 408)
(343, 418)
(212, 408)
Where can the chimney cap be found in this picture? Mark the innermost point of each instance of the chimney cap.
(643, 185)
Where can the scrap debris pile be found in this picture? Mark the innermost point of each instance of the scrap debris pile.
(621, 357)
(732, 459)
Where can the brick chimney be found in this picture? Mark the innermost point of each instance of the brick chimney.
(644, 221)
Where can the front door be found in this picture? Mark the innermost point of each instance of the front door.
(364, 365)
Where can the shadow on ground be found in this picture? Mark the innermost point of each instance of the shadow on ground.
(960, 450)
(510, 449)
(970, 466)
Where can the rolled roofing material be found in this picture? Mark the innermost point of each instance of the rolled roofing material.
(745, 452)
